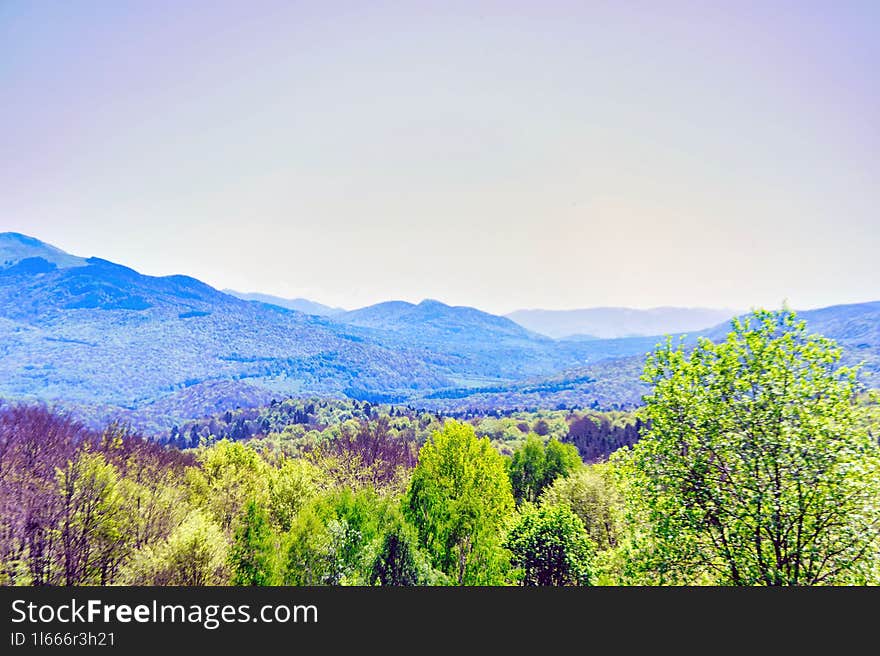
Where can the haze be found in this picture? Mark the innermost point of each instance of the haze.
(500, 155)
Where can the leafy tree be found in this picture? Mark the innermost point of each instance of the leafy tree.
(458, 501)
(559, 460)
(309, 552)
(550, 546)
(527, 469)
(291, 485)
(253, 548)
(229, 476)
(331, 541)
(399, 561)
(194, 554)
(592, 495)
(533, 466)
(757, 467)
(89, 522)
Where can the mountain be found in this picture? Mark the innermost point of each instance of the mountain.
(303, 305)
(475, 348)
(612, 381)
(93, 333)
(15, 247)
(613, 322)
(107, 341)
(101, 333)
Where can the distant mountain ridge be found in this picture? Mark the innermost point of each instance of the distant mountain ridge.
(303, 305)
(614, 322)
(100, 336)
(15, 247)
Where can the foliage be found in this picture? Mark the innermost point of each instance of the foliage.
(458, 500)
(194, 554)
(550, 546)
(251, 558)
(533, 466)
(592, 495)
(757, 468)
(333, 539)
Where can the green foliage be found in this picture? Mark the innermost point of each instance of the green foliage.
(251, 558)
(194, 554)
(89, 527)
(458, 501)
(592, 495)
(230, 474)
(550, 546)
(400, 562)
(533, 466)
(333, 539)
(291, 485)
(758, 467)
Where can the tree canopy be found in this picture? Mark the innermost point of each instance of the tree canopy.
(458, 501)
(757, 467)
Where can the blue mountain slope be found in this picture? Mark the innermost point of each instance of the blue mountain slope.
(102, 335)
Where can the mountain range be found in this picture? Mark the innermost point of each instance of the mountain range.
(109, 341)
(303, 305)
(611, 322)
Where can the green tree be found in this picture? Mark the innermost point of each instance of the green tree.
(559, 460)
(194, 554)
(526, 469)
(533, 466)
(253, 548)
(458, 501)
(399, 562)
(229, 476)
(89, 525)
(331, 541)
(593, 496)
(550, 546)
(294, 482)
(758, 467)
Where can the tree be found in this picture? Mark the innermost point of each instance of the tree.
(230, 475)
(527, 469)
(399, 562)
(194, 554)
(758, 467)
(559, 460)
(458, 501)
(89, 523)
(533, 466)
(592, 496)
(251, 556)
(332, 540)
(550, 546)
(291, 485)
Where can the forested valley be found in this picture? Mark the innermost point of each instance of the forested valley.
(753, 461)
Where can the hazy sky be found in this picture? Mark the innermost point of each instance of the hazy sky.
(501, 155)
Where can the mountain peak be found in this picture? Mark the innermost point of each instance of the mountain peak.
(15, 247)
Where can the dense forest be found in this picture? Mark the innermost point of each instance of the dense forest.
(753, 461)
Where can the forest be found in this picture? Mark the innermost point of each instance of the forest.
(753, 461)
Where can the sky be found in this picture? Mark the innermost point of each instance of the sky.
(501, 155)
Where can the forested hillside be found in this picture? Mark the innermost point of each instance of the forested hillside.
(754, 461)
(110, 343)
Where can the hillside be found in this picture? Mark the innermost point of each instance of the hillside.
(103, 333)
(99, 335)
(102, 338)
